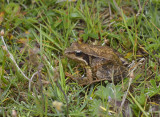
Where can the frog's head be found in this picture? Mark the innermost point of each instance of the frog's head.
(76, 53)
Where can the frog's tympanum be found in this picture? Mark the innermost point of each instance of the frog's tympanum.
(100, 62)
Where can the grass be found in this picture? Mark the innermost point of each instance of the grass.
(37, 34)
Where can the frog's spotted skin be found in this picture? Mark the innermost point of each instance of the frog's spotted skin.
(100, 62)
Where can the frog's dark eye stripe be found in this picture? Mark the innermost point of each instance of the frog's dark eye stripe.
(86, 58)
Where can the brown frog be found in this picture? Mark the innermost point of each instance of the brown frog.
(100, 62)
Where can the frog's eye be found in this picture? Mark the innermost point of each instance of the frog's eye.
(78, 53)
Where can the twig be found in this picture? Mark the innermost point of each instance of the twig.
(110, 12)
(12, 58)
(125, 95)
(132, 66)
(140, 8)
(31, 80)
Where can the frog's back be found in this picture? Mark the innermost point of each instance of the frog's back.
(100, 52)
(111, 73)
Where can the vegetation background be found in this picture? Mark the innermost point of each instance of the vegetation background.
(34, 73)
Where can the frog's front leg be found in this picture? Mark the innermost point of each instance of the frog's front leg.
(89, 74)
(86, 79)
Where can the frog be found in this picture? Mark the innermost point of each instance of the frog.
(100, 62)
